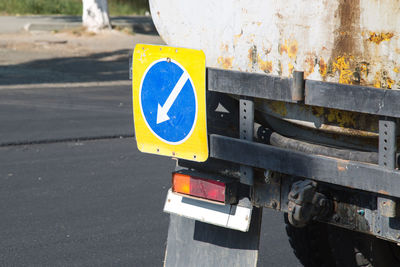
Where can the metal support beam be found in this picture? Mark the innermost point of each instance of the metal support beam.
(317, 93)
(246, 133)
(387, 207)
(352, 174)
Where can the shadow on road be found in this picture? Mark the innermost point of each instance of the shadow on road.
(99, 67)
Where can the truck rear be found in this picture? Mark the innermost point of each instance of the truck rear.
(292, 106)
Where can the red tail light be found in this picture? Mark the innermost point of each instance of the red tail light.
(209, 189)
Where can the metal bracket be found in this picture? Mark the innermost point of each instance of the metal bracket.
(306, 204)
(298, 86)
(246, 121)
(387, 207)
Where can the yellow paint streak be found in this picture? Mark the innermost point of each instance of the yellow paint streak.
(342, 118)
(237, 37)
(396, 69)
(290, 68)
(264, 65)
(334, 116)
(390, 83)
(225, 62)
(318, 111)
(290, 47)
(278, 107)
(380, 37)
(377, 80)
(342, 65)
(364, 69)
(293, 48)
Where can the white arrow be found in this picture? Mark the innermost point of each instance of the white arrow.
(163, 110)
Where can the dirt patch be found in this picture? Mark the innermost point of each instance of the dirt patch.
(67, 57)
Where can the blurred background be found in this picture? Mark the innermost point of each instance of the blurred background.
(69, 7)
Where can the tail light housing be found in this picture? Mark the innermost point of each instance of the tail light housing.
(208, 187)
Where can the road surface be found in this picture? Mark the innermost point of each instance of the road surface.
(75, 191)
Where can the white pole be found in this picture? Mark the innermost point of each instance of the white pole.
(95, 15)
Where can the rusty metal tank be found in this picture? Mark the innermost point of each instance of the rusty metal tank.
(344, 41)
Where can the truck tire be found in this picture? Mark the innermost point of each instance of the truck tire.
(319, 244)
(310, 244)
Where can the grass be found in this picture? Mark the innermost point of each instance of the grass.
(127, 7)
(68, 7)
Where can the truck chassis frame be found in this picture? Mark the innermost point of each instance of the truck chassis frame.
(365, 196)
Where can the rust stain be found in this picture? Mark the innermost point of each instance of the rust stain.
(322, 67)
(364, 68)
(265, 65)
(290, 47)
(382, 80)
(252, 56)
(383, 192)
(350, 123)
(280, 67)
(283, 48)
(377, 38)
(342, 118)
(309, 65)
(377, 80)
(278, 107)
(389, 83)
(317, 111)
(293, 48)
(279, 15)
(348, 29)
(342, 165)
(225, 62)
(267, 50)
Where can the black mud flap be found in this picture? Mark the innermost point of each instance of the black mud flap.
(194, 243)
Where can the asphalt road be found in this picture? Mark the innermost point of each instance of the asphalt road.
(92, 202)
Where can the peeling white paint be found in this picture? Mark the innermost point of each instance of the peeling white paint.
(226, 30)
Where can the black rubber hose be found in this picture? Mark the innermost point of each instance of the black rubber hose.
(278, 140)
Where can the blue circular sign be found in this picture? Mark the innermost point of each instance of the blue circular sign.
(168, 101)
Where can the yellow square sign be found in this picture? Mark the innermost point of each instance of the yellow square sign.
(169, 101)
